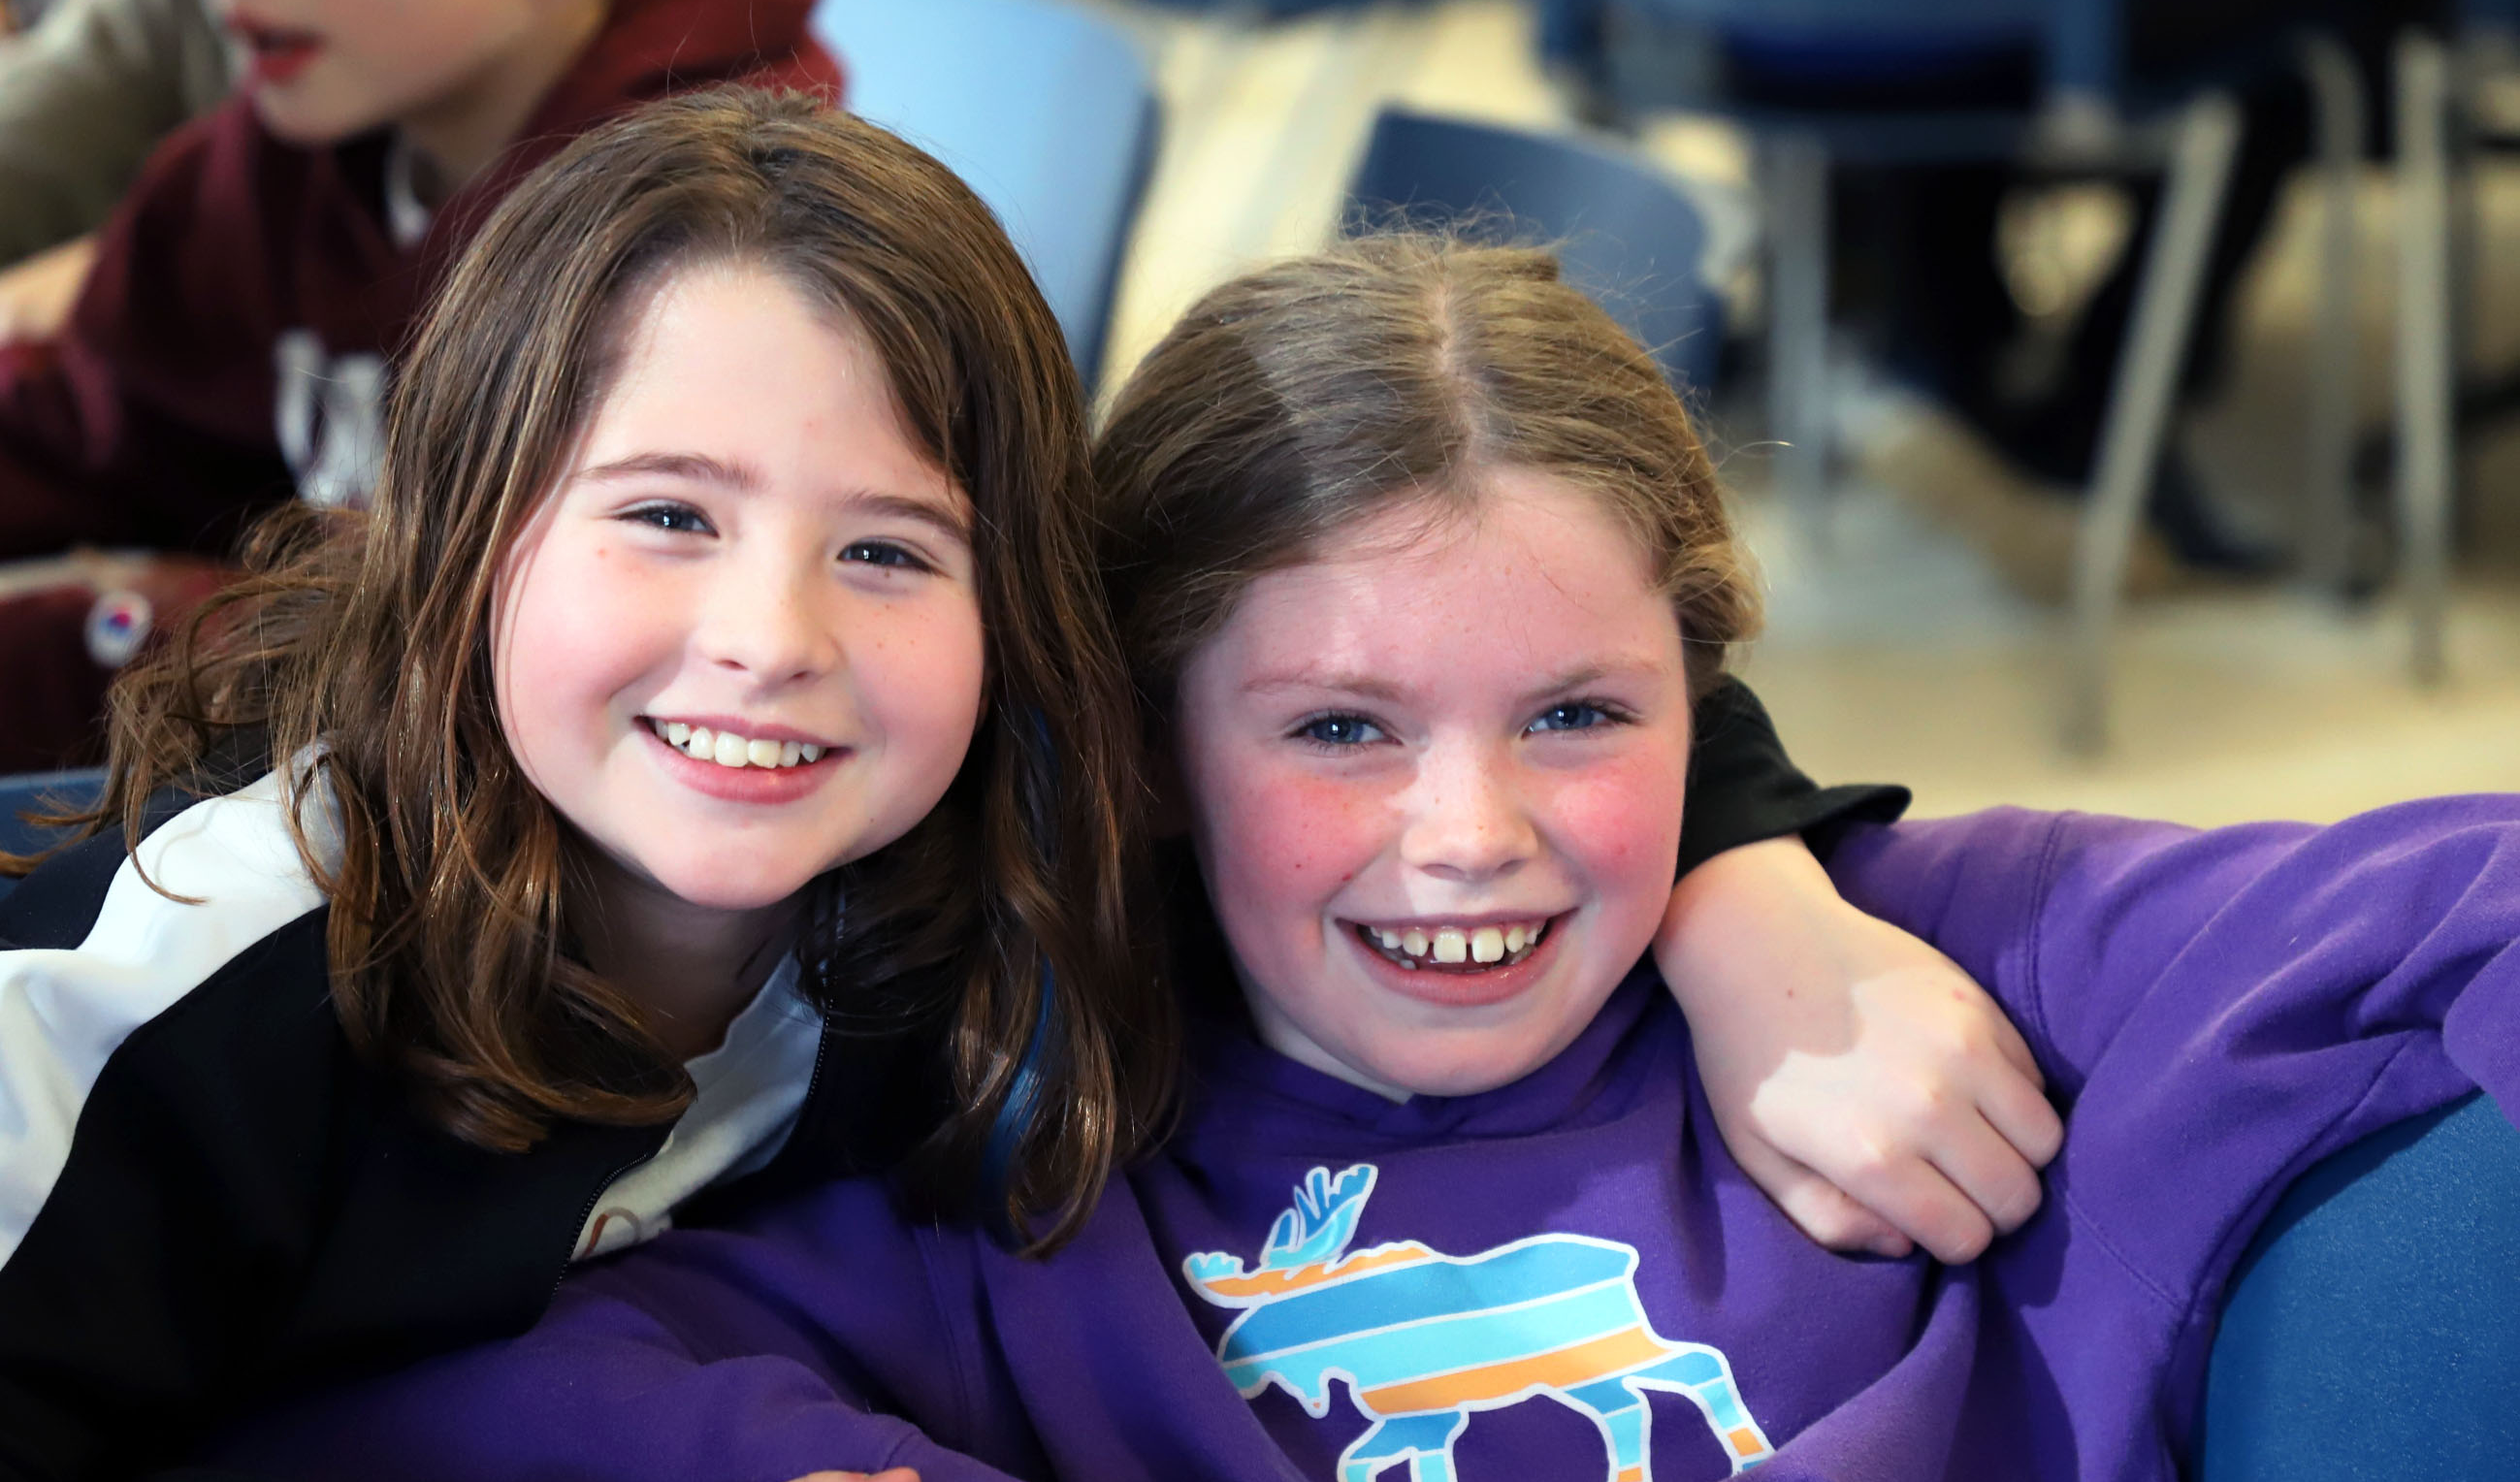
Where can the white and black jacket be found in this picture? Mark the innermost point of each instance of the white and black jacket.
(207, 1200)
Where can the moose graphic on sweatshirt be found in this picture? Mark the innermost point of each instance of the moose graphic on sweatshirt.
(1423, 1339)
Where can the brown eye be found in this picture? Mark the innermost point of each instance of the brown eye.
(680, 519)
(882, 553)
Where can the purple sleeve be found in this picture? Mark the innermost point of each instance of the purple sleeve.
(2393, 926)
(2219, 1010)
(813, 1341)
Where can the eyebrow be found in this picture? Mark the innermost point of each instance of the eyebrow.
(1344, 682)
(744, 478)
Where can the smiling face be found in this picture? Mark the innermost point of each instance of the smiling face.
(1410, 756)
(739, 643)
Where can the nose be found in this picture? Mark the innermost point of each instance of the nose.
(773, 619)
(1467, 819)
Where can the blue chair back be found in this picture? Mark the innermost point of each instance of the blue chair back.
(2373, 1328)
(40, 791)
(1047, 111)
(1627, 234)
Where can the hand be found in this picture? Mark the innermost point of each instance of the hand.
(37, 294)
(1858, 1077)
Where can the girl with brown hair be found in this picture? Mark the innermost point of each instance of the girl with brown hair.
(707, 768)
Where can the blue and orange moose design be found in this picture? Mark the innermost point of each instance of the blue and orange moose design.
(1423, 1339)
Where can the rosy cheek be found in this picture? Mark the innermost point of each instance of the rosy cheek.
(1623, 818)
(1280, 830)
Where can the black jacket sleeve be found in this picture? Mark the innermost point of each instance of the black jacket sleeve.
(1742, 788)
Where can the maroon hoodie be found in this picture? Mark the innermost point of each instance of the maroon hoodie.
(228, 348)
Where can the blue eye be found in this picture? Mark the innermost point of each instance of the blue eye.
(1574, 715)
(882, 553)
(1339, 730)
(680, 518)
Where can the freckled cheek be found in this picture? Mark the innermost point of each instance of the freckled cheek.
(922, 670)
(1621, 820)
(1288, 836)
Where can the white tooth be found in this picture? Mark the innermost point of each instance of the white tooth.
(703, 744)
(1390, 940)
(1537, 928)
(789, 751)
(1451, 945)
(730, 749)
(1513, 938)
(676, 733)
(810, 752)
(1414, 942)
(1487, 945)
(761, 753)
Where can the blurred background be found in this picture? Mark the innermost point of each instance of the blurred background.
(2122, 397)
(1920, 625)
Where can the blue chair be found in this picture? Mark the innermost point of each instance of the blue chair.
(1627, 234)
(1046, 110)
(2373, 1327)
(40, 791)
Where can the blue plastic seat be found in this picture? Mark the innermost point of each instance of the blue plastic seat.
(1627, 234)
(2373, 1328)
(40, 791)
(1047, 111)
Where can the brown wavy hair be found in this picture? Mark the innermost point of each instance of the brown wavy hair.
(1005, 922)
(1303, 396)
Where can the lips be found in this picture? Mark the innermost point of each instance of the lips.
(275, 55)
(1469, 985)
(767, 786)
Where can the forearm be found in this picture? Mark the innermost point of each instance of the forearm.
(1858, 1077)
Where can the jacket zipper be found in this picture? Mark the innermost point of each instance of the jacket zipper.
(586, 1210)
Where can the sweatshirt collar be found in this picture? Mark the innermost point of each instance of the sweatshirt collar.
(1587, 1081)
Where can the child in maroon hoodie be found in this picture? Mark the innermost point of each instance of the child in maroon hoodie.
(230, 346)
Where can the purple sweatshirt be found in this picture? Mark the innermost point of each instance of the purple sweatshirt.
(1569, 1276)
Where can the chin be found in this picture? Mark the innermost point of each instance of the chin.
(713, 890)
(1455, 1074)
(303, 123)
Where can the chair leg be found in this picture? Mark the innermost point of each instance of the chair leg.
(1797, 171)
(2336, 88)
(2139, 403)
(2424, 345)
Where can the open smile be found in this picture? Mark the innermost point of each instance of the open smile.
(1456, 947)
(720, 762)
(728, 747)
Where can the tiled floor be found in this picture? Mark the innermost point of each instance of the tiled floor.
(1893, 651)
